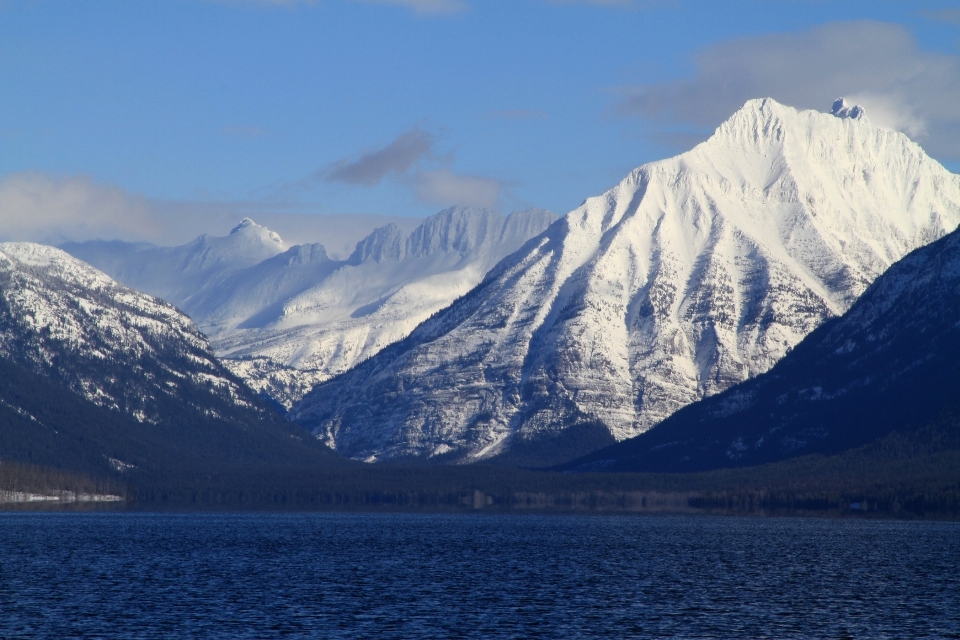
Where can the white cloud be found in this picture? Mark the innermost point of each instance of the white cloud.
(44, 208)
(892, 111)
(428, 7)
(444, 187)
(876, 64)
(50, 209)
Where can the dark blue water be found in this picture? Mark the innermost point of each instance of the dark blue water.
(125, 575)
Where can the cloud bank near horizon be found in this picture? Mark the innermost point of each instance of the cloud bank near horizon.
(39, 207)
(43, 208)
(443, 187)
(875, 64)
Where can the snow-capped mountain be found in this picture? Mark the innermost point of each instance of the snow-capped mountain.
(177, 274)
(286, 319)
(693, 274)
(100, 379)
(111, 345)
(384, 290)
(892, 362)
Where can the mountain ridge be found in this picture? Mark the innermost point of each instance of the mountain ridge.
(888, 364)
(200, 264)
(66, 320)
(388, 286)
(285, 318)
(693, 274)
(101, 379)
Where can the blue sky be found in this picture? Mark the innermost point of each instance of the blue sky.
(401, 107)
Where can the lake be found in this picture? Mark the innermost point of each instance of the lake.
(135, 575)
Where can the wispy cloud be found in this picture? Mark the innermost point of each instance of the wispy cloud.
(877, 64)
(245, 132)
(943, 15)
(616, 4)
(371, 167)
(289, 4)
(444, 187)
(515, 114)
(410, 159)
(428, 7)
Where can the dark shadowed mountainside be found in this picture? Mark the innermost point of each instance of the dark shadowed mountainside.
(96, 378)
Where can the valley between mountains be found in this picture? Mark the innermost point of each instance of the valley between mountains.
(785, 288)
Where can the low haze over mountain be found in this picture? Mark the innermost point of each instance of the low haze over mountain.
(180, 274)
(692, 275)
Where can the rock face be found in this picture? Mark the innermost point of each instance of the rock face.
(113, 346)
(285, 319)
(892, 362)
(693, 274)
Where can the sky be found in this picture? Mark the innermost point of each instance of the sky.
(159, 119)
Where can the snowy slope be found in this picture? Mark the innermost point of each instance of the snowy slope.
(177, 274)
(892, 362)
(691, 275)
(113, 346)
(350, 311)
(285, 320)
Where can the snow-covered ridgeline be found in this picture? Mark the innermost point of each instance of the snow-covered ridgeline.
(691, 275)
(114, 346)
(389, 286)
(285, 319)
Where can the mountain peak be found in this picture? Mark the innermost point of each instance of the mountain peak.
(691, 275)
(246, 222)
(756, 123)
(34, 255)
(761, 121)
(383, 243)
(842, 110)
(256, 229)
(762, 107)
(459, 229)
(456, 229)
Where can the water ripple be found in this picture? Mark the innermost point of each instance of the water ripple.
(446, 576)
